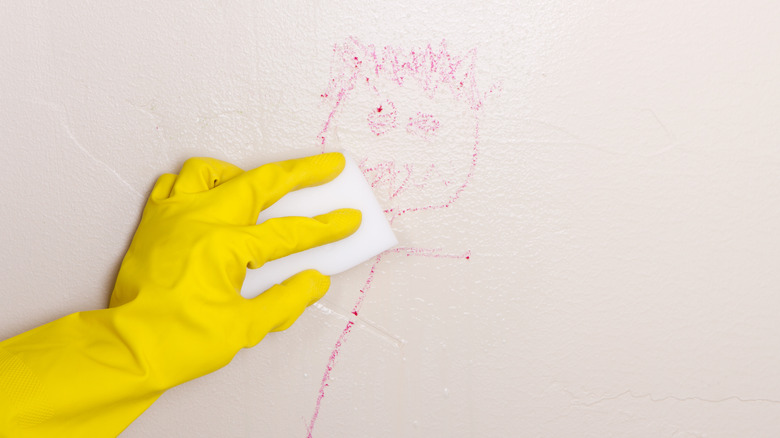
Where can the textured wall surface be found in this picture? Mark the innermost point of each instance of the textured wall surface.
(587, 196)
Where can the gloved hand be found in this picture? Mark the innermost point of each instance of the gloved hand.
(175, 312)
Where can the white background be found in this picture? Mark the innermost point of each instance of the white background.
(622, 218)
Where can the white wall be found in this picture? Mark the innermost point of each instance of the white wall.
(620, 220)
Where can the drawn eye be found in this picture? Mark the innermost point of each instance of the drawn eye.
(423, 125)
(382, 118)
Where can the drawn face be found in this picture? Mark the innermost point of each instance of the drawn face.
(410, 117)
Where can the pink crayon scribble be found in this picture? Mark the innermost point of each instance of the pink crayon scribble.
(339, 342)
(382, 119)
(423, 125)
(434, 69)
(438, 74)
(342, 339)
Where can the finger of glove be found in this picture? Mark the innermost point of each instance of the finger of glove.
(201, 174)
(254, 190)
(277, 308)
(279, 237)
(162, 188)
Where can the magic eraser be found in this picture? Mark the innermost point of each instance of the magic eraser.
(348, 190)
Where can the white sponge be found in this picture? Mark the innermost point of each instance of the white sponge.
(348, 190)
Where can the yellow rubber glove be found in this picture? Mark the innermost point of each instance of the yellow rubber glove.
(175, 312)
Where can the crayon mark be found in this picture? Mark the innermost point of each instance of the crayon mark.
(423, 125)
(342, 339)
(435, 71)
(381, 122)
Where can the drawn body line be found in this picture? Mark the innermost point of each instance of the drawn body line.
(433, 69)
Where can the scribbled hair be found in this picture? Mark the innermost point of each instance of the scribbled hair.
(433, 68)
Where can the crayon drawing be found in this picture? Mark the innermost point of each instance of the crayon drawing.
(367, 87)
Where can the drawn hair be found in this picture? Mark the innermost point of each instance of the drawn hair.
(433, 68)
